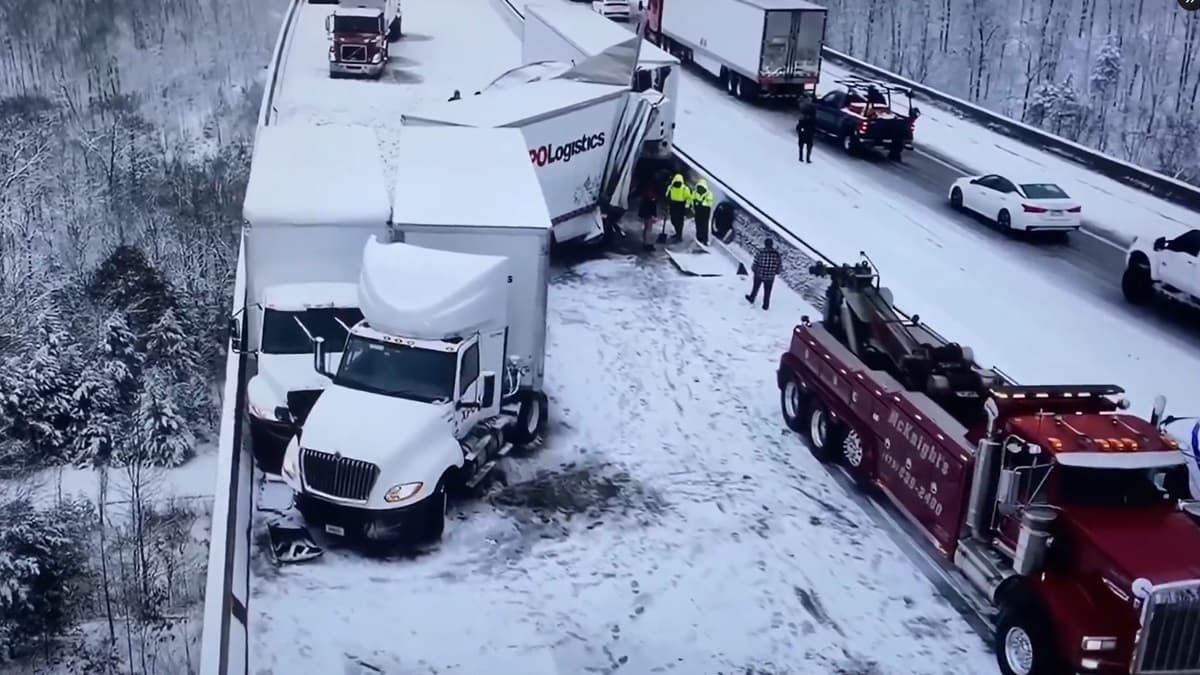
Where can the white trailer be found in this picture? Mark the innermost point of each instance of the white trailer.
(569, 127)
(562, 33)
(315, 195)
(444, 375)
(757, 48)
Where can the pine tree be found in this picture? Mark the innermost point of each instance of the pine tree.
(162, 436)
(168, 347)
(36, 405)
(1103, 80)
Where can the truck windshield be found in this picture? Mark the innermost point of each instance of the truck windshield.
(356, 24)
(282, 335)
(397, 370)
(1082, 486)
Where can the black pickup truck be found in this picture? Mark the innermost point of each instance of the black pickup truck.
(860, 114)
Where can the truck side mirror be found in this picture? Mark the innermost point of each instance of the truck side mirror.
(235, 333)
(319, 356)
(329, 24)
(489, 390)
(1160, 243)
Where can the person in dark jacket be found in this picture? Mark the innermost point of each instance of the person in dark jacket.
(767, 265)
(806, 130)
(456, 96)
(702, 205)
(723, 217)
(648, 212)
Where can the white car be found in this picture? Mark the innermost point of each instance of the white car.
(1167, 266)
(617, 10)
(1028, 206)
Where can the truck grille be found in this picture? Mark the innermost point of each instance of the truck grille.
(1169, 640)
(353, 53)
(337, 476)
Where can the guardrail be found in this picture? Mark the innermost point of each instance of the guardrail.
(1155, 183)
(225, 642)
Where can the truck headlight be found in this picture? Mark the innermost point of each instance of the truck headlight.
(402, 492)
(377, 57)
(1099, 644)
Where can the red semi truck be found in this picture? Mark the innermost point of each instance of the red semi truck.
(1069, 514)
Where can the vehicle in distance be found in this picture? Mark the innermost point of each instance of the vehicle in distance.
(1070, 516)
(756, 48)
(1170, 267)
(358, 41)
(616, 10)
(860, 115)
(1021, 205)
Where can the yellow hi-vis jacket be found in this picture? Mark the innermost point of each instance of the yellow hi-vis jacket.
(702, 197)
(678, 191)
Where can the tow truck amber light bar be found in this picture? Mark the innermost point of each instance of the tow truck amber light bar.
(1012, 391)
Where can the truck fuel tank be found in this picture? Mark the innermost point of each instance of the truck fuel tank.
(1037, 531)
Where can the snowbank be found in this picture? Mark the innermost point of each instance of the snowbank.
(427, 294)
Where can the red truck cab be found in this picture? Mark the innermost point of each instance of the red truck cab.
(1068, 514)
(358, 41)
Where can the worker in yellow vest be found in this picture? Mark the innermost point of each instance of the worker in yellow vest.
(679, 200)
(702, 206)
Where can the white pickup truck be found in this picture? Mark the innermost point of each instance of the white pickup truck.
(1170, 267)
(306, 223)
(444, 375)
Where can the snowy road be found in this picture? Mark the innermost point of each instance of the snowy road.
(668, 525)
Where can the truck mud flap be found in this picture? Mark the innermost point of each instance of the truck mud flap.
(699, 260)
(291, 545)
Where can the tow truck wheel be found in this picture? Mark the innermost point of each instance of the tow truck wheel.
(854, 454)
(531, 418)
(824, 433)
(792, 399)
(1024, 643)
(1136, 284)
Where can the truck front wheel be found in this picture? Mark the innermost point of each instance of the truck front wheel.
(1025, 643)
(824, 433)
(1136, 284)
(531, 418)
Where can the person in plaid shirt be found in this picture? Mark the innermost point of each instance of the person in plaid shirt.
(767, 264)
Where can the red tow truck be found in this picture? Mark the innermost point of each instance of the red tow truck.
(359, 36)
(1070, 515)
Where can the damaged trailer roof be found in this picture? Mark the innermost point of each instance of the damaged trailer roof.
(517, 106)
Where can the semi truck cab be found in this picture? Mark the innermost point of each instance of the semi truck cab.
(358, 41)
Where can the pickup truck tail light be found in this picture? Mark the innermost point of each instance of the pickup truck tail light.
(1029, 208)
(863, 127)
(1075, 209)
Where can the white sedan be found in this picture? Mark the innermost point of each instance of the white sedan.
(617, 10)
(1030, 206)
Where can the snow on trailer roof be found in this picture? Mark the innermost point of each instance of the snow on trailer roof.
(591, 33)
(516, 106)
(307, 174)
(505, 191)
(431, 294)
(360, 10)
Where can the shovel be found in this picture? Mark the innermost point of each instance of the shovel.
(662, 236)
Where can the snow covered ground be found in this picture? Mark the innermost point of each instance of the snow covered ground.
(1110, 208)
(669, 524)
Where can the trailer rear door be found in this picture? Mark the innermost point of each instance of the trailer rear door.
(791, 47)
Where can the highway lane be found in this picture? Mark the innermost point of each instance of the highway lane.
(1081, 260)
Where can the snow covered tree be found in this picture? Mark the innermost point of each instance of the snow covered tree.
(43, 557)
(1103, 80)
(126, 281)
(168, 347)
(161, 435)
(1056, 108)
(36, 401)
(105, 394)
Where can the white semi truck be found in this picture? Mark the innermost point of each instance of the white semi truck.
(570, 129)
(444, 375)
(757, 48)
(560, 32)
(315, 195)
